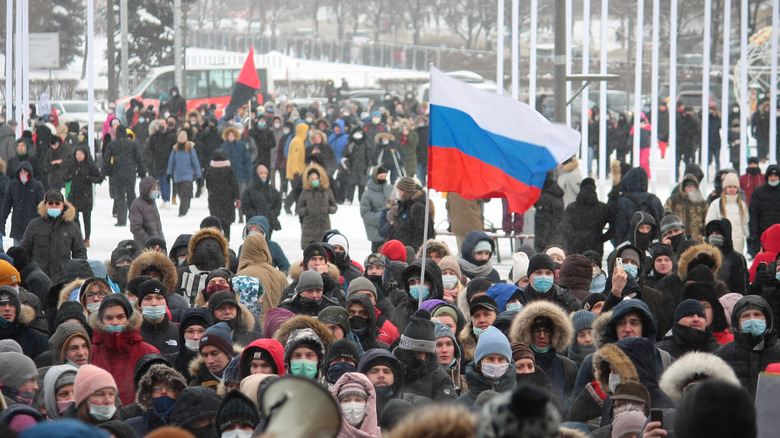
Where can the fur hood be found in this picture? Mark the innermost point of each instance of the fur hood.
(154, 125)
(599, 326)
(691, 367)
(133, 323)
(611, 356)
(207, 233)
(195, 113)
(383, 135)
(296, 269)
(571, 165)
(616, 172)
(324, 181)
(68, 212)
(151, 259)
(520, 331)
(26, 315)
(698, 254)
(302, 322)
(436, 246)
(187, 146)
(157, 373)
(230, 129)
(68, 289)
(437, 419)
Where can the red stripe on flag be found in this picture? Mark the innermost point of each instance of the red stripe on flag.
(248, 75)
(450, 170)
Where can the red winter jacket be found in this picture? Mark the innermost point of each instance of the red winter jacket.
(118, 352)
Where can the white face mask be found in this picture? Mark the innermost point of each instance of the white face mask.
(102, 413)
(192, 344)
(614, 381)
(596, 272)
(449, 281)
(93, 307)
(354, 412)
(237, 433)
(494, 371)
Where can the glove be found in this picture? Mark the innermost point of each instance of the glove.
(762, 279)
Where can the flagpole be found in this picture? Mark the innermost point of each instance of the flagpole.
(428, 207)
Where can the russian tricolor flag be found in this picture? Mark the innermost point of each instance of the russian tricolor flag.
(483, 145)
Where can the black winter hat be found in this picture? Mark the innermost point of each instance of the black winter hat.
(151, 286)
(540, 261)
(527, 411)
(662, 249)
(311, 250)
(394, 412)
(342, 348)
(9, 295)
(702, 274)
(20, 257)
(223, 297)
(143, 365)
(221, 272)
(134, 284)
(592, 299)
(477, 285)
(593, 257)
(588, 182)
(483, 302)
(119, 429)
(335, 315)
(70, 310)
(687, 308)
(211, 221)
(419, 334)
(715, 409)
(773, 169)
(236, 408)
(120, 255)
(131, 246)
(156, 243)
(115, 300)
(194, 404)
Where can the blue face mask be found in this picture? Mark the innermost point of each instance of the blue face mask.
(4, 322)
(338, 369)
(315, 183)
(773, 183)
(631, 270)
(543, 283)
(261, 124)
(163, 405)
(303, 368)
(755, 327)
(155, 194)
(414, 291)
(115, 328)
(478, 331)
(598, 284)
(516, 305)
(154, 312)
(539, 350)
(53, 212)
(777, 276)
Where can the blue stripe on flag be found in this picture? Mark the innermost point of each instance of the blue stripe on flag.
(523, 161)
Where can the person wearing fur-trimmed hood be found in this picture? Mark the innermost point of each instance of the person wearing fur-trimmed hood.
(207, 251)
(545, 327)
(315, 204)
(156, 395)
(53, 237)
(117, 343)
(357, 401)
(155, 264)
(692, 368)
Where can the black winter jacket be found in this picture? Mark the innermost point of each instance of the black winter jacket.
(584, 221)
(23, 199)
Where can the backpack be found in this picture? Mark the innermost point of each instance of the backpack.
(644, 205)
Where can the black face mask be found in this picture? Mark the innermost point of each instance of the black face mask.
(357, 323)
(374, 278)
(753, 170)
(381, 181)
(309, 303)
(642, 240)
(120, 276)
(676, 240)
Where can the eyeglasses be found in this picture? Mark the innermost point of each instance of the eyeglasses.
(92, 295)
(541, 330)
(156, 389)
(191, 332)
(54, 203)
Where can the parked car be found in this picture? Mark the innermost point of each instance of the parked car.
(78, 110)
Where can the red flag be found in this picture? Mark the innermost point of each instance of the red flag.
(246, 86)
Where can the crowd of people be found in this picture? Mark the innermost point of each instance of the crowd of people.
(663, 331)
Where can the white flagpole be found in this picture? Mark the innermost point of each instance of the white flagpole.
(516, 49)
(725, 110)
(654, 152)
(773, 80)
(500, 49)
(9, 62)
(640, 19)
(584, 110)
(532, 60)
(603, 112)
(672, 149)
(744, 109)
(705, 94)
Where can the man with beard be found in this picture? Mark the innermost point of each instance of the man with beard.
(689, 204)
(120, 267)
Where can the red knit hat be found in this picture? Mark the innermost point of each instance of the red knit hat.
(394, 250)
(89, 380)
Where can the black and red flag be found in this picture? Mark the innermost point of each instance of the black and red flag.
(247, 85)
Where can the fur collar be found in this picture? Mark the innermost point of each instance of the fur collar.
(133, 323)
(68, 289)
(300, 322)
(563, 332)
(68, 212)
(701, 252)
(197, 362)
(207, 233)
(611, 356)
(296, 269)
(694, 366)
(599, 326)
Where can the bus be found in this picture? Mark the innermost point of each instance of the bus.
(204, 85)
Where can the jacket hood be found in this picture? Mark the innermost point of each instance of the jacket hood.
(697, 255)
(151, 260)
(432, 275)
(770, 239)
(722, 225)
(145, 187)
(622, 309)
(752, 301)
(687, 178)
(59, 340)
(50, 388)
(365, 302)
(255, 251)
(438, 246)
(68, 211)
(599, 326)
(271, 346)
(67, 290)
(133, 324)
(642, 218)
(324, 181)
(301, 131)
(502, 293)
(576, 273)
(369, 424)
(301, 322)
(379, 356)
(182, 242)
(230, 129)
(608, 357)
(693, 367)
(635, 180)
(562, 332)
(618, 253)
(205, 247)
(340, 124)
(471, 240)
(23, 165)
(260, 221)
(251, 384)
(158, 373)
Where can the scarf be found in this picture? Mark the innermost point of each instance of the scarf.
(471, 270)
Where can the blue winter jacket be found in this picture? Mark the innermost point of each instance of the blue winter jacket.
(183, 164)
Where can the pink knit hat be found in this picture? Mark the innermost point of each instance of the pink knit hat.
(89, 380)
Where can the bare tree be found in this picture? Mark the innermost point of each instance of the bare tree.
(468, 18)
